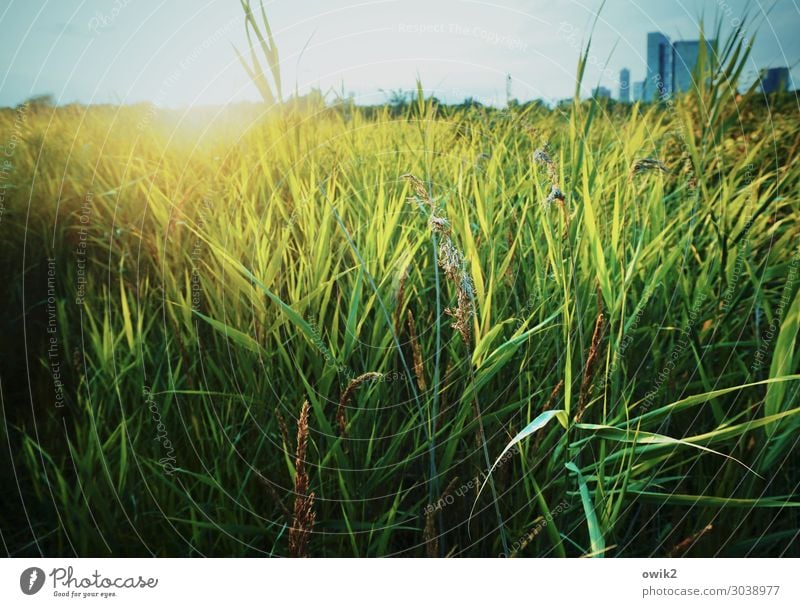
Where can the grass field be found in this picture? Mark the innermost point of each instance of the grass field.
(315, 330)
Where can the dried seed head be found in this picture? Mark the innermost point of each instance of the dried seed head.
(463, 313)
(400, 298)
(341, 416)
(555, 194)
(303, 520)
(449, 259)
(466, 285)
(647, 164)
(419, 189)
(439, 224)
(419, 368)
(542, 157)
(591, 360)
(687, 543)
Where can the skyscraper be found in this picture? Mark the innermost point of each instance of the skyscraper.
(684, 59)
(774, 79)
(638, 90)
(625, 85)
(658, 81)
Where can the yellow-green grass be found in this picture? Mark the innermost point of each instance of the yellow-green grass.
(237, 264)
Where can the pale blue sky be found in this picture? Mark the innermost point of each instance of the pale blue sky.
(179, 52)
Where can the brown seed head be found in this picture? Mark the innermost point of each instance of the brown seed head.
(303, 520)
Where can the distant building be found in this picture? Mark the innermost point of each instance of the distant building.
(670, 66)
(685, 54)
(601, 92)
(658, 81)
(625, 85)
(638, 91)
(774, 80)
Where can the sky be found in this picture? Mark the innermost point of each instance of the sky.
(177, 53)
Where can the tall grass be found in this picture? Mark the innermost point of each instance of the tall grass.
(234, 272)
